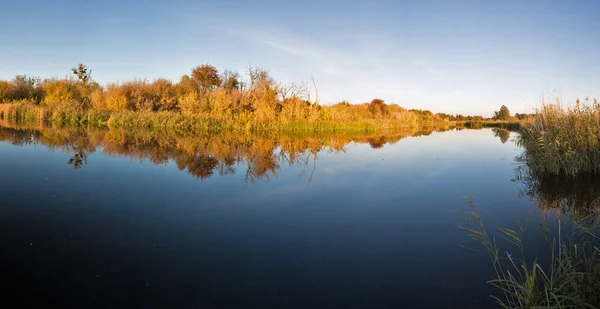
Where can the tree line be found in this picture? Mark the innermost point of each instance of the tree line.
(225, 96)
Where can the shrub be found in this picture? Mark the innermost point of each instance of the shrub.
(60, 91)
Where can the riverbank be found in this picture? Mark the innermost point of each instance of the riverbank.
(179, 123)
(207, 100)
(176, 122)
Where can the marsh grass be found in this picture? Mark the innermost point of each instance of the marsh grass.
(569, 280)
(563, 141)
(199, 123)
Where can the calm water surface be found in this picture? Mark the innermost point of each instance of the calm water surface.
(91, 220)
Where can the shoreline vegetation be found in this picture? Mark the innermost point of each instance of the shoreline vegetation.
(563, 141)
(207, 100)
(558, 170)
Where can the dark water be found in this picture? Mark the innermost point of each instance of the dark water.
(97, 219)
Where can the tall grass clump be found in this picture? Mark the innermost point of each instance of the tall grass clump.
(563, 141)
(569, 278)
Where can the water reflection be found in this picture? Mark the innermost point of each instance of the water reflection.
(258, 157)
(157, 236)
(503, 134)
(577, 197)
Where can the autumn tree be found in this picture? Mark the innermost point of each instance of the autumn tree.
(295, 102)
(377, 107)
(206, 77)
(261, 97)
(61, 92)
(5, 88)
(165, 94)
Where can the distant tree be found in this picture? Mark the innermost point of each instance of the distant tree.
(377, 106)
(185, 86)
(83, 73)
(231, 83)
(260, 77)
(502, 114)
(522, 116)
(445, 116)
(343, 103)
(231, 80)
(206, 77)
(376, 102)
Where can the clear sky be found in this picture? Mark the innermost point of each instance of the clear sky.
(447, 56)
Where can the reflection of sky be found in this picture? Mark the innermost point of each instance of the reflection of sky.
(372, 224)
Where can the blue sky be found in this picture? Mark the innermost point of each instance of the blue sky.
(465, 57)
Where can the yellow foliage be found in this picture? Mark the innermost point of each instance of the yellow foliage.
(165, 94)
(203, 102)
(59, 92)
(4, 90)
(222, 105)
(98, 100)
(189, 103)
(115, 98)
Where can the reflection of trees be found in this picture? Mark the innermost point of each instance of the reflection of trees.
(377, 142)
(257, 157)
(74, 141)
(503, 134)
(226, 166)
(17, 137)
(202, 166)
(578, 197)
(261, 161)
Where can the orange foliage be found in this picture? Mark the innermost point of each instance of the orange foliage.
(259, 102)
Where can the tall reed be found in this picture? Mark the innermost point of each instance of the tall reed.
(569, 280)
(563, 140)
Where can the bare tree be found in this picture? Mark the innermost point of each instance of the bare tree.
(309, 96)
(293, 90)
